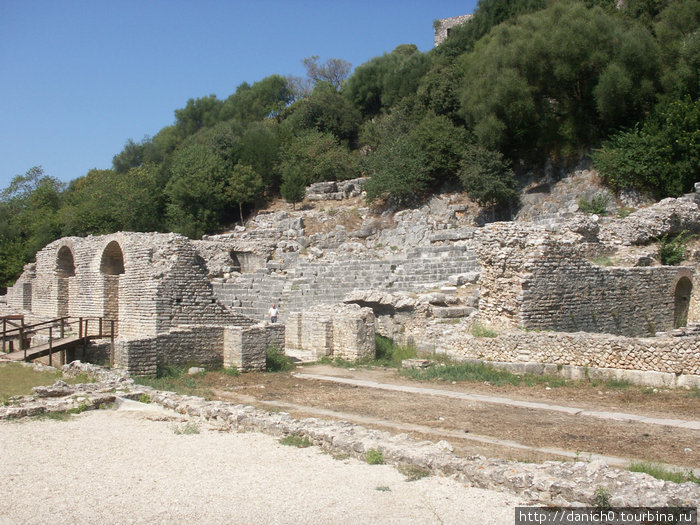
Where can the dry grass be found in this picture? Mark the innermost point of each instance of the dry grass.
(18, 380)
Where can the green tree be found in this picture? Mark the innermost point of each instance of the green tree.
(197, 191)
(197, 114)
(325, 110)
(384, 81)
(245, 186)
(318, 156)
(554, 81)
(662, 156)
(333, 71)
(264, 99)
(293, 186)
(487, 178)
(398, 174)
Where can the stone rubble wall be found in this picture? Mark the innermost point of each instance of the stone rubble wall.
(311, 283)
(443, 26)
(342, 330)
(335, 190)
(201, 345)
(658, 361)
(246, 348)
(534, 279)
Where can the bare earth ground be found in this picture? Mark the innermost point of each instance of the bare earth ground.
(129, 466)
(451, 418)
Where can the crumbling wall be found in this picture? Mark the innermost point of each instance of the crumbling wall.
(342, 330)
(329, 282)
(442, 27)
(246, 348)
(532, 278)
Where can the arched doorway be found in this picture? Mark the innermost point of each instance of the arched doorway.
(684, 287)
(111, 267)
(65, 269)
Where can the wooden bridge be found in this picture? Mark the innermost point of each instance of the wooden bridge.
(61, 337)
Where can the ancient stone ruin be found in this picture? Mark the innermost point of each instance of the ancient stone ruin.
(154, 287)
(428, 277)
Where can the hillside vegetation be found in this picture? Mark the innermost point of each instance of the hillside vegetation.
(522, 83)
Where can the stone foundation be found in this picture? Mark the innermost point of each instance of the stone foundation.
(246, 348)
(344, 331)
(654, 361)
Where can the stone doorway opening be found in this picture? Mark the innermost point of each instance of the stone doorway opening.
(65, 269)
(111, 267)
(684, 287)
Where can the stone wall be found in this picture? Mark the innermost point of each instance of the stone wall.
(246, 348)
(443, 26)
(533, 279)
(311, 283)
(201, 345)
(659, 361)
(345, 331)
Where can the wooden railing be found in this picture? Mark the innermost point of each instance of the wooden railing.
(62, 324)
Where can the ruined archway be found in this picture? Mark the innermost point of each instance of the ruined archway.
(684, 287)
(65, 269)
(111, 267)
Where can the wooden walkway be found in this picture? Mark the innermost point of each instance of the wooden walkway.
(66, 340)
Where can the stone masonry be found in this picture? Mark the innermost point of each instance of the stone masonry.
(533, 279)
(443, 26)
(153, 286)
(344, 331)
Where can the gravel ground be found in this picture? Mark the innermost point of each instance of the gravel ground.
(129, 466)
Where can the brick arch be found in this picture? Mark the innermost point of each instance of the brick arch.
(112, 260)
(65, 269)
(111, 268)
(65, 262)
(681, 301)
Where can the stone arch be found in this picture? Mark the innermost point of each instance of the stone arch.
(65, 263)
(65, 269)
(112, 262)
(111, 267)
(681, 301)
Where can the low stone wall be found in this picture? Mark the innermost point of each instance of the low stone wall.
(344, 330)
(658, 361)
(246, 348)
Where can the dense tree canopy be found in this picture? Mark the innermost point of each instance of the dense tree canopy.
(523, 83)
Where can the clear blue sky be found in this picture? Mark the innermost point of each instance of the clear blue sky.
(78, 78)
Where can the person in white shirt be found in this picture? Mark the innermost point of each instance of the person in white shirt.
(273, 312)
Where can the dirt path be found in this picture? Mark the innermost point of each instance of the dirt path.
(531, 430)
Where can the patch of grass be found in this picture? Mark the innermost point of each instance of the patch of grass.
(233, 371)
(18, 380)
(54, 416)
(601, 498)
(388, 353)
(374, 457)
(144, 398)
(413, 472)
(383, 488)
(602, 260)
(480, 330)
(618, 384)
(660, 472)
(294, 440)
(458, 371)
(82, 407)
(173, 378)
(276, 361)
(186, 429)
(81, 378)
(624, 212)
(597, 205)
(672, 251)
